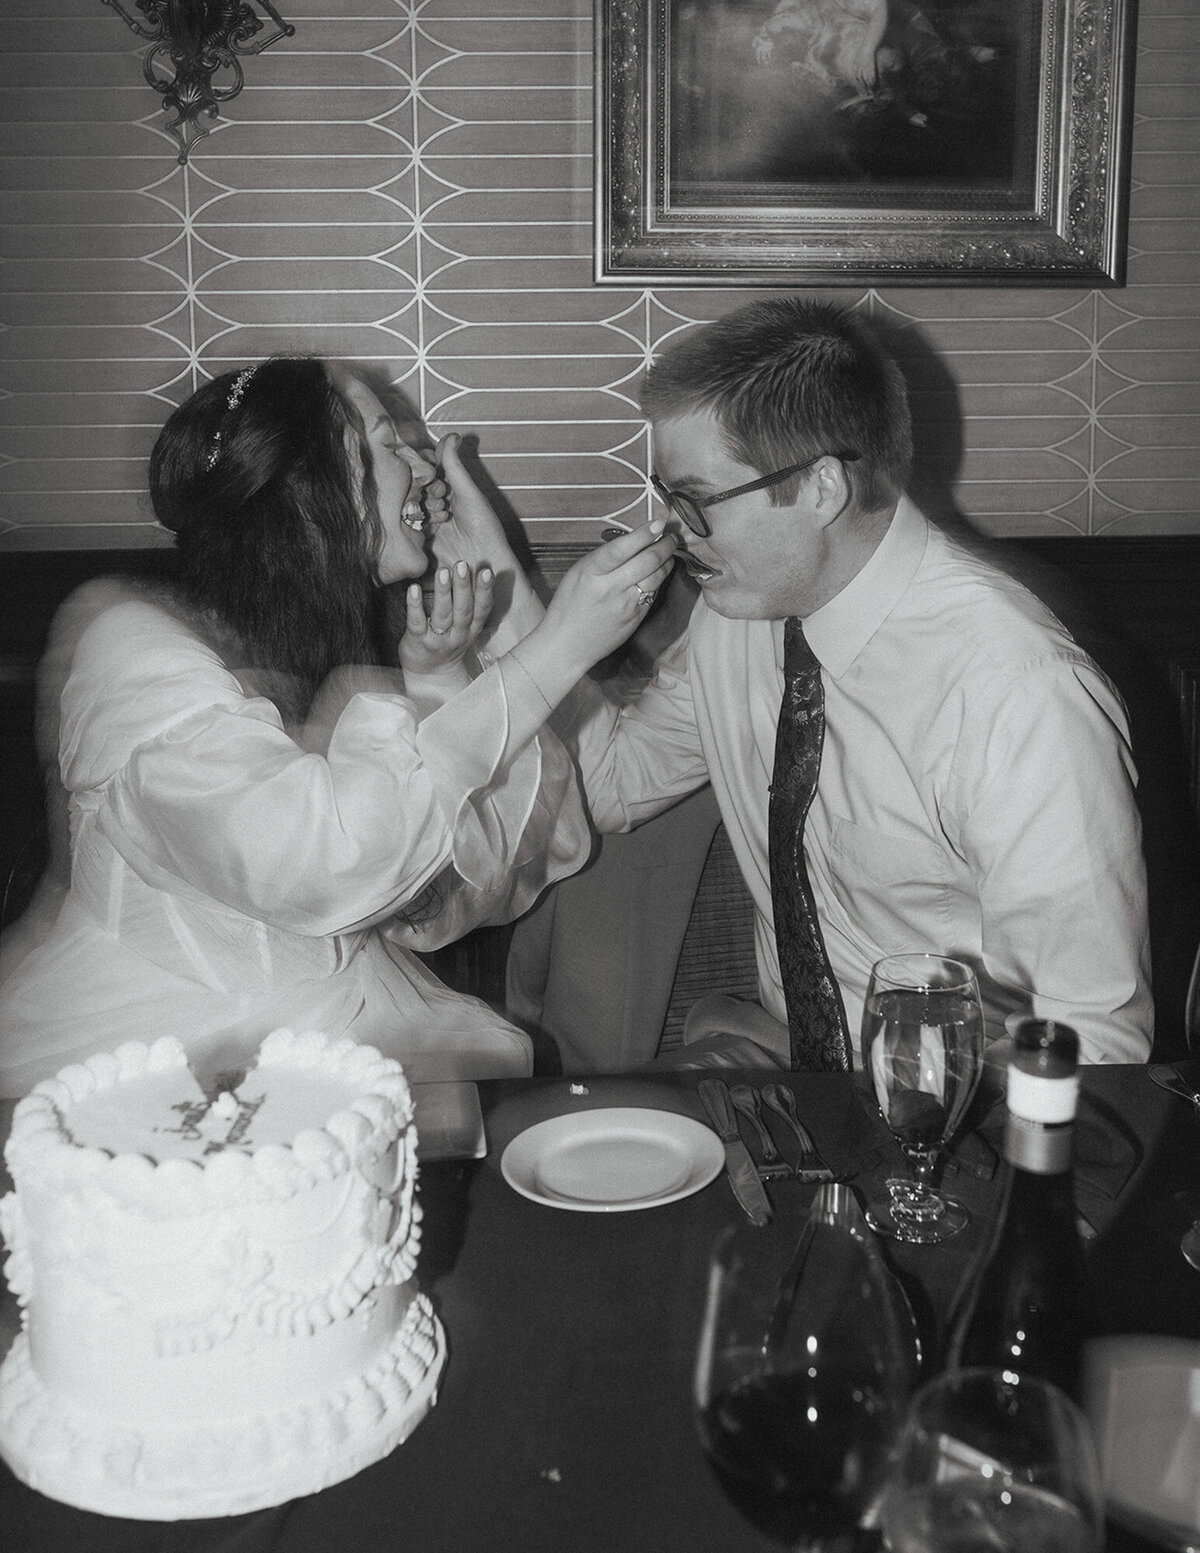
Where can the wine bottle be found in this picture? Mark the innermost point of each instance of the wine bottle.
(1023, 1304)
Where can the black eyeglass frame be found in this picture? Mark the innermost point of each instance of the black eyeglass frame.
(690, 509)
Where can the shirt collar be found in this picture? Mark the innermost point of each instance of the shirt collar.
(841, 628)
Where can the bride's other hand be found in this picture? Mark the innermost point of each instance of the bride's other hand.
(436, 641)
(463, 525)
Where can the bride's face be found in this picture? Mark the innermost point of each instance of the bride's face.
(401, 473)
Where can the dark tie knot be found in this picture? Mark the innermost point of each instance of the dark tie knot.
(798, 656)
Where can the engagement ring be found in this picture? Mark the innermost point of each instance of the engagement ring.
(646, 598)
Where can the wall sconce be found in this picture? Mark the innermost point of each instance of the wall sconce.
(194, 39)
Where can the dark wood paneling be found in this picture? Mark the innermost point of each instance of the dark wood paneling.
(34, 584)
(1135, 603)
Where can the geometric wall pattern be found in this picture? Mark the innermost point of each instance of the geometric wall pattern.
(409, 185)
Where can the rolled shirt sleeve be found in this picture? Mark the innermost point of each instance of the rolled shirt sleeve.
(1046, 820)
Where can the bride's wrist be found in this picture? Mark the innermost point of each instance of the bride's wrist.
(431, 688)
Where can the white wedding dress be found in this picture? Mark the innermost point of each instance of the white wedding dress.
(228, 876)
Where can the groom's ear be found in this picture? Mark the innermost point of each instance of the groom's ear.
(827, 489)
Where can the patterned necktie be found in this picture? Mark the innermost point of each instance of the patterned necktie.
(816, 1017)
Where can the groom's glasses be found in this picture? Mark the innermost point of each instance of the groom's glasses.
(690, 509)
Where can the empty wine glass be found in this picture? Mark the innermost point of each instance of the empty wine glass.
(922, 1044)
(993, 1462)
(1183, 1079)
(807, 1355)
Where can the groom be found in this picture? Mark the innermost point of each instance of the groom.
(908, 750)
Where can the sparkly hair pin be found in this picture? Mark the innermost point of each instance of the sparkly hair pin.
(235, 398)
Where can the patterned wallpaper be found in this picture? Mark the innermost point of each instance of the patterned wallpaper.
(410, 185)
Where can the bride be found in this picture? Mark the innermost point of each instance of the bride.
(264, 818)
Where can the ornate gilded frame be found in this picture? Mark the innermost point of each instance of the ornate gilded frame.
(1061, 224)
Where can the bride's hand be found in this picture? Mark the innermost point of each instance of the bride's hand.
(435, 643)
(464, 526)
(604, 597)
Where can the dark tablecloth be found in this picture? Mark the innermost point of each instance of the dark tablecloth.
(564, 1419)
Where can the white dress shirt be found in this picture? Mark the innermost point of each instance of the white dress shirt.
(975, 798)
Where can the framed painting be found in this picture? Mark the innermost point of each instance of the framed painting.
(852, 142)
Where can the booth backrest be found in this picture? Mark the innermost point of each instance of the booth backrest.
(1134, 603)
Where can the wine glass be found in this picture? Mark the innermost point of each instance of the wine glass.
(993, 1462)
(922, 1046)
(806, 1358)
(1183, 1079)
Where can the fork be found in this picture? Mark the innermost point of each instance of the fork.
(748, 1101)
(810, 1167)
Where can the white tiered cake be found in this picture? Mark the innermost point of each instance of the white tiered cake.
(219, 1307)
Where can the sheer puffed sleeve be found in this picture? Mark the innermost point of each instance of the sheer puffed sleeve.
(203, 792)
(519, 823)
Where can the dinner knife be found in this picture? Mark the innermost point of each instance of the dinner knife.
(739, 1167)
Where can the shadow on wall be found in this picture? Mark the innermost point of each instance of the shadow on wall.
(1169, 823)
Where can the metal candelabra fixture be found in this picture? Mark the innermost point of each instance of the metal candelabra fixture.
(193, 40)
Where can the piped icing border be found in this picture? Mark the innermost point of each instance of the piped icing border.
(179, 1472)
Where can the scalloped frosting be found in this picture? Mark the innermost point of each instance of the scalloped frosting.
(180, 1470)
(307, 1108)
(162, 1231)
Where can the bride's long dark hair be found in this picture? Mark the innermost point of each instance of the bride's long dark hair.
(264, 477)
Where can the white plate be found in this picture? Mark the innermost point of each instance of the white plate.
(609, 1161)
(1143, 1402)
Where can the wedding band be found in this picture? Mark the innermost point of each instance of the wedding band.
(435, 630)
(646, 598)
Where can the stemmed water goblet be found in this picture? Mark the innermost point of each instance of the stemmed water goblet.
(922, 1046)
(993, 1462)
